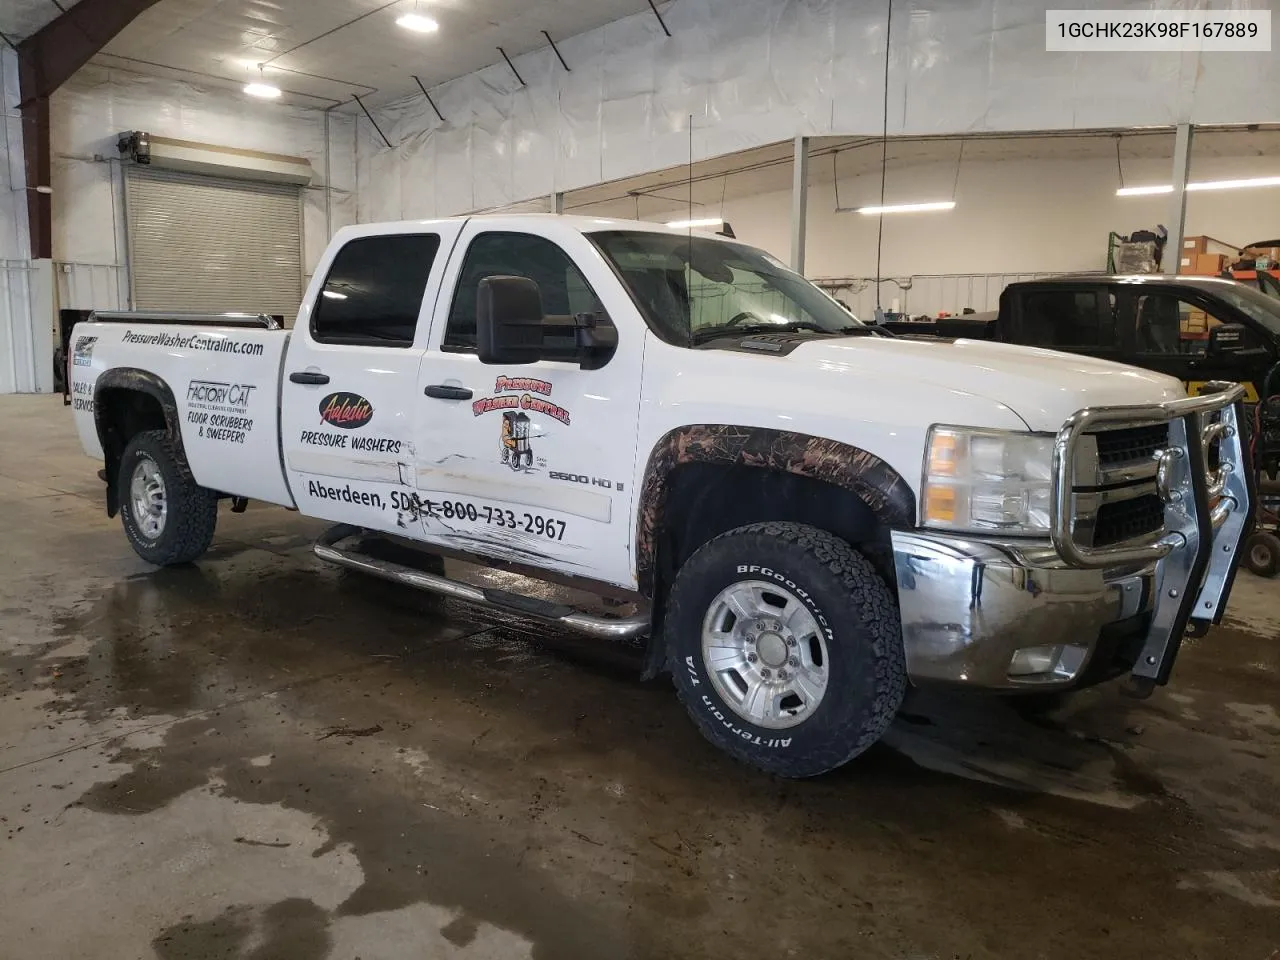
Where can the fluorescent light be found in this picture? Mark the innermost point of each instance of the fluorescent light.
(1233, 184)
(907, 208)
(1142, 191)
(335, 295)
(264, 90)
(1201, 185)
(418, 23)
(690, 224)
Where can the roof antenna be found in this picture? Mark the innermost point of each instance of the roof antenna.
(884, 160)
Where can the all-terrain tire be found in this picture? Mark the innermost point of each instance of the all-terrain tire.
(191, 511)
(866, 678)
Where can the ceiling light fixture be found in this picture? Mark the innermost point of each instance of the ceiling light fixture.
(1200, 185)
(691, 224)
(907, 208)
(264, 90)
(417, 23)
(260, 89)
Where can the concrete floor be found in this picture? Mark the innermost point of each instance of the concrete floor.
(261, 757)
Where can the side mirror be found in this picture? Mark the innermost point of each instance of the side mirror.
(1226, 339)
(509, 321)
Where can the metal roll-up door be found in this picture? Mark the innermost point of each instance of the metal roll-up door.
(212, 245)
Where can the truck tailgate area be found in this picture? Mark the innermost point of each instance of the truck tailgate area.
(222, 384)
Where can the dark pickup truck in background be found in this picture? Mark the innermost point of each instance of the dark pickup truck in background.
(1197, 329)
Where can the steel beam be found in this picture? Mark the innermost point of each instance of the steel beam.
(46, 60)
(799, 203)
(1178, 203)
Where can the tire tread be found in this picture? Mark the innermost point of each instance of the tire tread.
(193, 510)
(878, 612)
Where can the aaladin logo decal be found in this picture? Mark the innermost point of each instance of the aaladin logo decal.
(346, 410)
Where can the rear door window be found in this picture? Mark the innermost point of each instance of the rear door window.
(1069, 318)
(373, 293)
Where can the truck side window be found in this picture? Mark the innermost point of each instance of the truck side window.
(565, 291)
(373, 293)
(1168, 324)
(1068, 318)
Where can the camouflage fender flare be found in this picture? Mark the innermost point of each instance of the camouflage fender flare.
(863, 474)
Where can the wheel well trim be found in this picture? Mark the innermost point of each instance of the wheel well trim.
(137, 381)
(860, 472)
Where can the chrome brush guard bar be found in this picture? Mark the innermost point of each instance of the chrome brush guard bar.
(1207, 513)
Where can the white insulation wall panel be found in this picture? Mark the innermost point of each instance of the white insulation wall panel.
(14, 243)
(97, 105)
(18, 336)
(751, 72)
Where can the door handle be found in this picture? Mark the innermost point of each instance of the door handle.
(444, 392)
(308, 376)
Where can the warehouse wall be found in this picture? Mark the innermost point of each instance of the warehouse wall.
(1015, 216)
(19, 370)
(13, 209)
(98, 104)
(752, 72)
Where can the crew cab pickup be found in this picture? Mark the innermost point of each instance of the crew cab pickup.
(680, 422)
(1198, 329)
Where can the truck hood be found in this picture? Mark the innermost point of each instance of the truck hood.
(1043, 387)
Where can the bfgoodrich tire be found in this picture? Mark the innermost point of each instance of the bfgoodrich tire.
(167, 517)
(786, 648)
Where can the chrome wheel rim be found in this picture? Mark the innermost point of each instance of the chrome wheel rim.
(765, 654)
(150, 506)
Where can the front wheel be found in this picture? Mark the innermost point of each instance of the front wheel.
(168, 518)
(786, 647)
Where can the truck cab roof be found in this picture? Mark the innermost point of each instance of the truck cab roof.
(582, 224)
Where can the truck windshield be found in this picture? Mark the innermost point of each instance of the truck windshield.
(697, 289)
(1261, 308)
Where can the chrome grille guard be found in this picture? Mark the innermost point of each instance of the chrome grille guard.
(1199, 550)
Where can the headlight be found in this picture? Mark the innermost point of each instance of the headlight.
(987, 481)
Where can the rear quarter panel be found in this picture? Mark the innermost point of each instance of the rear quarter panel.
(225, 383)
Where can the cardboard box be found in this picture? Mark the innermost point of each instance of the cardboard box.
(1196, 245)
(1210, 264)
(1195, 321)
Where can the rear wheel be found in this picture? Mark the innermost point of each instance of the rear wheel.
(1262, 554)
(168, 518)
(786, 647)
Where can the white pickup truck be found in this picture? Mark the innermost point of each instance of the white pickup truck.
(806, 514)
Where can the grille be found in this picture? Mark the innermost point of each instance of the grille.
(1131, 443)
(1127, 519)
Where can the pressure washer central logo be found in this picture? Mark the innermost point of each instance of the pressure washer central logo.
(347, 411)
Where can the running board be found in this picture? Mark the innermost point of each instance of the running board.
(604, 628)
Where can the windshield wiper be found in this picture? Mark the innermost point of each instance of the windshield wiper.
(795, 326)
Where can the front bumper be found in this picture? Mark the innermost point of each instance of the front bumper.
(969, 605)
(1019, 614)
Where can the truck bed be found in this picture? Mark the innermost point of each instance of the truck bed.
(222, 379)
